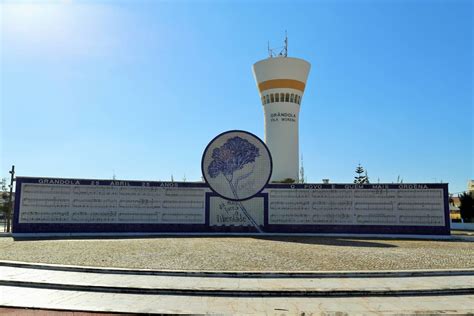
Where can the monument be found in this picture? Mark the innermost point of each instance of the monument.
(236, 195)
(237, 166)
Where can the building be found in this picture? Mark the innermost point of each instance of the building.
(470, 187)
(454, 211)
(281, 81)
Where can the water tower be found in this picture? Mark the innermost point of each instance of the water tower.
(281, 81)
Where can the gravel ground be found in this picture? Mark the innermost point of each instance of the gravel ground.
(245, 253)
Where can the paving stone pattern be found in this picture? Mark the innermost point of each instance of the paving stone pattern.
(245, 253)
(197, 305)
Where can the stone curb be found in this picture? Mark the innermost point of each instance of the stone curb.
(54, 236)
(239, 293)
(33, 236)
(244, 274)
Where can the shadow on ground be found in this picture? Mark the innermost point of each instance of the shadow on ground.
(329, 241)
(334, 241)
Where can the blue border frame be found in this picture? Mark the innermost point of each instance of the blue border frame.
(235, 229)
(363, 229)
(248, 133)
(22, 228)
(104, 228)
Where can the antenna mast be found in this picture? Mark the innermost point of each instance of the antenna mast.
(283, 51)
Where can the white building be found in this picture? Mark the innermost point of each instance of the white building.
(470, 187)
(281, 82)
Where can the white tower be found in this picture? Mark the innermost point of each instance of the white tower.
(281, 81)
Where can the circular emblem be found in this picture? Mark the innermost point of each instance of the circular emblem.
(237, 165)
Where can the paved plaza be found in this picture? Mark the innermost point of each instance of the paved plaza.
(285, 275)
(121, 290)
(245, 253)
(175, 304)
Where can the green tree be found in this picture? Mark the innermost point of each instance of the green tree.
(4, 198)
(467, 207)
(360, 178)
(3, 185)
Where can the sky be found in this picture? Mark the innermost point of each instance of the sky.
(137, 89)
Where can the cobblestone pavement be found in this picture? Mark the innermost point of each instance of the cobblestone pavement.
(132, 292)
(200, 305)
(245, 253)
(48, 312)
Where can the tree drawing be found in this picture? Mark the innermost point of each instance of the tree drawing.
(234, 155)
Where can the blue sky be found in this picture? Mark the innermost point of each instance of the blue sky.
(138, 88)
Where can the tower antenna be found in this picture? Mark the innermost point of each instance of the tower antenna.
(283, 49)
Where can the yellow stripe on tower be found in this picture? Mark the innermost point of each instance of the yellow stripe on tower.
(281, 83)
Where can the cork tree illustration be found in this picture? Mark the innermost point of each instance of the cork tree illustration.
(232, 156)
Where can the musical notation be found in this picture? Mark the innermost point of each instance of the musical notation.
(357, 206)
(44, 216)
(47, 190)
(183, 192)
(283, 193)
(343, 218)
(290, 206)
(48, 203)
(420, 194)
(422, 219)
(336, 205)
(94, 217)
(42, 203)
(140, 203)
(385, 206)
(375, 193)
(376, 219)
(178, 204)
(420, 206)
(182, 217)
(331, 194)
(290, 219)
(139, 217)
(93, 203)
